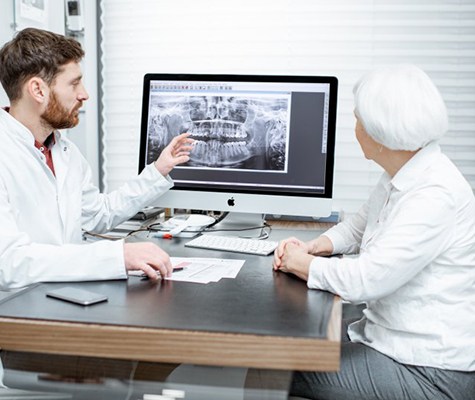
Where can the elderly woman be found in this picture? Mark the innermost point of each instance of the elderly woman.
(414, 263)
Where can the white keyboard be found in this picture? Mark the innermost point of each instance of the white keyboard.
(235, 244)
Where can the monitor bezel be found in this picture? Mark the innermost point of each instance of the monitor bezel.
(331, 128)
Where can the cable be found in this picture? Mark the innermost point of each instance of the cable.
(158, 227)
(132, 380)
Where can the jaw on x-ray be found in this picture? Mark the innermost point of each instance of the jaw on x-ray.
(230, 132)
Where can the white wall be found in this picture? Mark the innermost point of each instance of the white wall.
(10, 18)
(342, 38)
(85, 135)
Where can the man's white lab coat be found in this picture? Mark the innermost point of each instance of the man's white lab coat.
(42, 216)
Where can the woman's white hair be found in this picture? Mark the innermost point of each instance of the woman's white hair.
(400, 107)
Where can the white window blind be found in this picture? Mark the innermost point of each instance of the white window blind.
(343, 38)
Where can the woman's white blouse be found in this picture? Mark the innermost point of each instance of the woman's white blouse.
(415, 265)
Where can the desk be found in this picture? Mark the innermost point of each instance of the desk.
(261, 319)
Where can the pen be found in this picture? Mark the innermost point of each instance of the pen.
(176, 269)
(165, 235)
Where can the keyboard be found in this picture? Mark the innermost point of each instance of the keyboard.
(234, 244)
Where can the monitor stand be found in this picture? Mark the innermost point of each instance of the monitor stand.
(241, 224)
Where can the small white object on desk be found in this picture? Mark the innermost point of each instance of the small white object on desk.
(187, 225)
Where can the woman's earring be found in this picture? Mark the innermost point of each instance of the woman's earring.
(381, 148)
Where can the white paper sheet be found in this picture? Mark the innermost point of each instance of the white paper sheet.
(201, 270)
(204, 270)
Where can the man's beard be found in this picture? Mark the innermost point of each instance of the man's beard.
(58, 117)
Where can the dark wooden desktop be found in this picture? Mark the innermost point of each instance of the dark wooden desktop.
(261, 319)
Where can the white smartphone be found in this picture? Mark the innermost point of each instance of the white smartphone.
(77, 296)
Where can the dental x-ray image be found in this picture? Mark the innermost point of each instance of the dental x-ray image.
(245, 132)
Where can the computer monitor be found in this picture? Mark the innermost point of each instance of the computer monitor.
(264, 144)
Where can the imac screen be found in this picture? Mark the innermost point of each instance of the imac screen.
(263, 135)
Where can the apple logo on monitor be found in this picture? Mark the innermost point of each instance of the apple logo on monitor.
(231, 202)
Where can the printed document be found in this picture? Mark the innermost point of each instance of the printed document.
(201, 270)
(204, 270)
